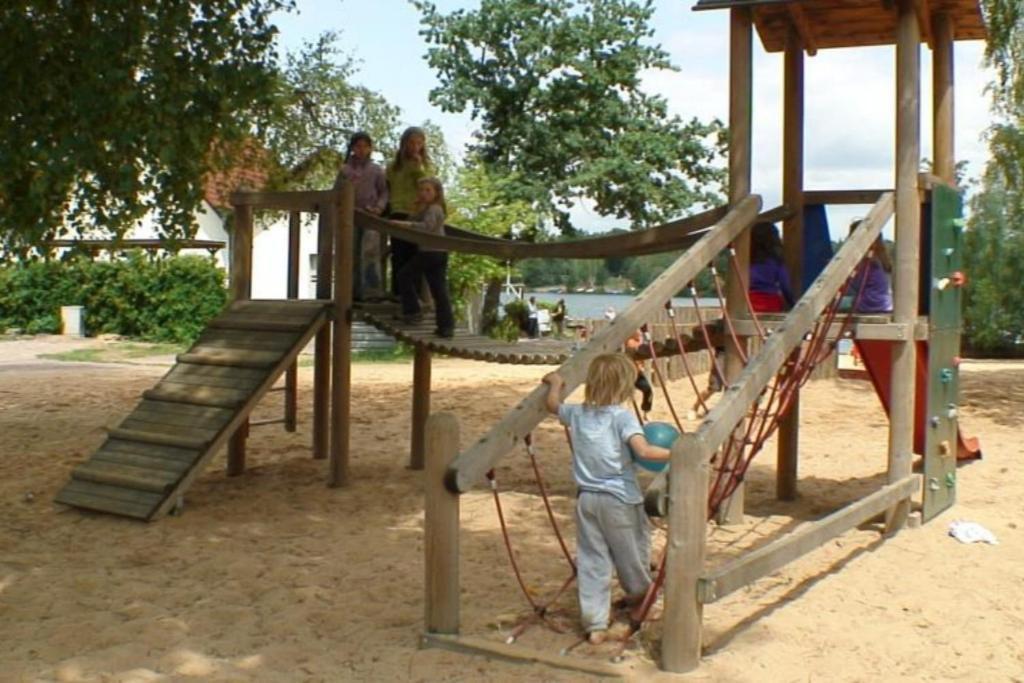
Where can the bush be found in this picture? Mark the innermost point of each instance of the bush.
(165, 300)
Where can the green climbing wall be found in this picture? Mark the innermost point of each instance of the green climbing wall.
(944, 323)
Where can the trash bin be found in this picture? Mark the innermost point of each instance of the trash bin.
(73, 321)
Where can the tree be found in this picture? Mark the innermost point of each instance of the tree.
(555, 86)
(111, 109)
(994, 243)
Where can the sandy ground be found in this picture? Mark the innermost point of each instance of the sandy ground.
(270, 576)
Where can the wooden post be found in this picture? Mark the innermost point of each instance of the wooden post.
(441, 527)
(322, 348)
(241, 290)
(943, 99)
(291, 378)
(788, 453)
(741, 79)
(420, 406)
(908, 238)
(342, 214)
(687, 527)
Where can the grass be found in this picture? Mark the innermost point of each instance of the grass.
(116, 352)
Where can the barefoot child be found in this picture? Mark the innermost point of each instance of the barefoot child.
(611, 527)
(428, 263)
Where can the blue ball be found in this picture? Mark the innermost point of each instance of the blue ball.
(657, 434)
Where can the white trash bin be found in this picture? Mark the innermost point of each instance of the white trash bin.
(73, 321)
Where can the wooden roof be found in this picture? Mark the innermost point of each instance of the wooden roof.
(826, 24)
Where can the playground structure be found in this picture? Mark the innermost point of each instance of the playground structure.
(204, 402)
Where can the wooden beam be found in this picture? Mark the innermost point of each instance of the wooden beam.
(788, 448)
(741, 83)
(861, 329)
(943, 96)
(322, 348)
(420, 406)
(923, 10)
(687, 536)
(471, 465)
(520, 654)
(842, 196)
(799, 22)
(340, 211)
(306, 200)
(908, 247)
(752, 566)
(441, 528)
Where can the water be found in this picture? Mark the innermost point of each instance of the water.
(594, 305)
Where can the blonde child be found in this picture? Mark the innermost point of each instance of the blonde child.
(411, 164)
(611, 527)
(428, 263)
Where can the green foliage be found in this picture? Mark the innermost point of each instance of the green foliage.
(555, 85)
(111, 109)
(167, 300)
(477, 202)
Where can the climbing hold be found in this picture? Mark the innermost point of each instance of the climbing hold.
(946, 375)
(934, 421)
(950, 479)
(949, 251)
(958, 279)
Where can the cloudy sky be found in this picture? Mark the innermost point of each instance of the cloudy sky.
(850, 93)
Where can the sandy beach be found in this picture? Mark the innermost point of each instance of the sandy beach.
(270, 576)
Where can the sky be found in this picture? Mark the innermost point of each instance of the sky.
(849, 93)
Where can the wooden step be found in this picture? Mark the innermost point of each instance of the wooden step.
(159, 438)
(236, 322)
(125, 476)
(215, 397)
(233, 358)
(107, 498)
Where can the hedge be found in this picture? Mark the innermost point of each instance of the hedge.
(167, 299)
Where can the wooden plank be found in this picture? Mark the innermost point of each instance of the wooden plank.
(114, 492)
(322, 352)
(519, 654)
(308, 201)
(943, 97)
(802, 27)
(471, 465)
(746, 569)
(153, 450)
(180, 375)
(242, 359)
(70, 495)
(237, 322)
(441, 527)
(860, 329)
(146, 462)
(158, 438)
(192, 370)
(843, 196)
(908, 239)
(241, 254)
(200, 396)
(201, 434)
(420, 408)
(687, 536)
(277, 339)
(165, 413)
(124, 475)
(342, 222)
(216, 339)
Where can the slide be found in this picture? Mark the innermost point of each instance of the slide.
(877, 358)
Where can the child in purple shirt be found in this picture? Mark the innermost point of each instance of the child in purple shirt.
(770, 291)
(870, 287)
(371, 189)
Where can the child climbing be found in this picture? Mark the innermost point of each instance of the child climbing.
(770, 291)
(371, 190)
(642, 384)
(428, 263)
(412, 164)
(875, 295)
(611, 527)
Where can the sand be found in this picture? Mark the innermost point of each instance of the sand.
(270, 576)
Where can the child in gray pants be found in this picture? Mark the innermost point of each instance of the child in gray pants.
(611, 527)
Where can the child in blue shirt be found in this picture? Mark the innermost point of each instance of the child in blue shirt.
(611, 526)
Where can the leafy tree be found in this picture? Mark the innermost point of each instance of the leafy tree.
(111, 109)
(994, 244)
(555, 86)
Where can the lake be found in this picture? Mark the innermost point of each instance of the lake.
(580, 305)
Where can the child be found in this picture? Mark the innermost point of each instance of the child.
(611, 527)
(371, 191)
(412, 164)
(532, 318)
(769, 281)
(642, 384)
(428, 263)
(876, 296)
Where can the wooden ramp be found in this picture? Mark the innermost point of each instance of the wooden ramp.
(156, 452)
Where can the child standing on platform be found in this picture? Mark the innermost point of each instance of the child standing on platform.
(428, 263)
(770, 291)
(411, 165)
(611, 526)
(371, 190)
(876, 292)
